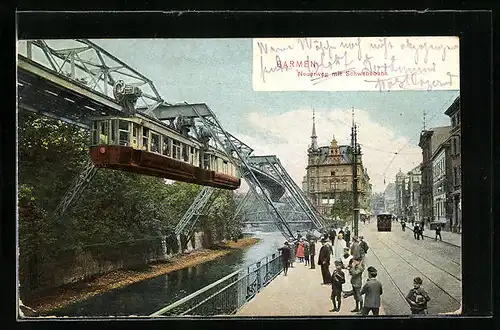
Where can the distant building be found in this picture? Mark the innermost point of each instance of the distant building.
(378, 203)
(329, 171)
(430, 140)
(456, 167)
(414, 207)
(390, 198)
(400, 192)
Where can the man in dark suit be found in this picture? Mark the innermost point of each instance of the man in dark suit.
(312, 253)
(285, 255)
(324, 262)
(372, 291)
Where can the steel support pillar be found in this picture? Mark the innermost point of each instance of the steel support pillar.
(75, 190)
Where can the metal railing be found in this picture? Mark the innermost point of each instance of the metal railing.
(230, 293)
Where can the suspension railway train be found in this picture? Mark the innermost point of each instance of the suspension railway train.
(142, 145)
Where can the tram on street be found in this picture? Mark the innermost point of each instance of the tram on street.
(142, 145)
(384, 221)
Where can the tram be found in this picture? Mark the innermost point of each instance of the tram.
(384, 221)
(142, 145)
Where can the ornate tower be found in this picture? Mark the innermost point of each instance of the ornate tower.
(314, 142)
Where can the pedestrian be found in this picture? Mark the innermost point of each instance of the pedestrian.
(331, 235)
(403, 225)
(340, 245)
(324, 262)
(417, 297)
(312, 253)
(330, 246)
(438, 233)
(372, 291)
(363, 249)
(293, 247)
(355, 248)
(300, 250)
(306, 252)
(347, 236)
(346, 262)
(341, 231)
(338, 279)
(356, 271)
(421, 231)
(285, 256)
(416, 234)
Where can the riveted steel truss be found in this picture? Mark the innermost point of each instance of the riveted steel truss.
(87, 64)
(272, 165)
(76, 189)
(238, 153)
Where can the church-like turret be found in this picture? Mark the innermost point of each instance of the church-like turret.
(314, 137)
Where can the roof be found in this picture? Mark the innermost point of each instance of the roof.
(441, 134)
(325, 151)
(454, 107)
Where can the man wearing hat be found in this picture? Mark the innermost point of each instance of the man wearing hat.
(312, 253)
(356, 271)
(372, 291)
(324, 262)
(285, 256)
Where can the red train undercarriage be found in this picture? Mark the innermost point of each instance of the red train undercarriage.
(148, 163)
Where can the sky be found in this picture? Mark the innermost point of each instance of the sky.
(218, 72)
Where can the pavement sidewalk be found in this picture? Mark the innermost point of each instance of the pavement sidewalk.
(300, 293)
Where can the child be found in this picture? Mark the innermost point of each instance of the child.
(337, 280)
(417, 297)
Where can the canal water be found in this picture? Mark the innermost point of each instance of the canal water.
(146, 297)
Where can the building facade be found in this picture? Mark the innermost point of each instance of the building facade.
(440, 185)
(456, 167)
(378, 203)
(414, 206)
(429, 141)
(329, 172)
(390, 198)
(400, 194)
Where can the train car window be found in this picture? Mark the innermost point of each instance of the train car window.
(93, 133)
(145, 138)
(224, 167)
(103, 132)
(155, 142)
(166, 146)
(135, 135)
(113, 132)
(123, 133)
(185, 156)
(176, 149)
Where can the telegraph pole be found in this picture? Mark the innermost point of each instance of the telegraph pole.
(355, 152)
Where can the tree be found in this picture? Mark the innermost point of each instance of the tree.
(343, 206)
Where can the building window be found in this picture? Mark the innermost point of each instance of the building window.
(455, 176)
(453, 121)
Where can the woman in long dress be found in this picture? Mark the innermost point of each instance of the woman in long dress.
(300, 251)
(346, 260)
(339, 247)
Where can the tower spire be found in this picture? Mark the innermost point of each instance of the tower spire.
(314, 142)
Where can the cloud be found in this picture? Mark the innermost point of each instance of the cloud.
(288, 137)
